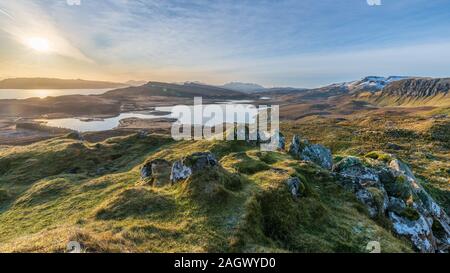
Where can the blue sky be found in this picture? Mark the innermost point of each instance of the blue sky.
(275, 43)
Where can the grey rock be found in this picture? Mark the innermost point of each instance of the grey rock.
(295, 186)
(158, 171)
(315, 153)
(281, 142)
(201, 160)
(375, 199)
(425, 203)
(180, 171)
(363, 177)
(366, 197)
(419, 232)
(296, 146)
(352, 168)
(318, 154)
(396, 205)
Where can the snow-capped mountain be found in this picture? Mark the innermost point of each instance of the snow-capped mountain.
(243, 87)
(372, 83)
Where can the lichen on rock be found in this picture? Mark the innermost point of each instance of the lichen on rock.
(316, 153)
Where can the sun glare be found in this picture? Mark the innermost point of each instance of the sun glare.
(39, 44)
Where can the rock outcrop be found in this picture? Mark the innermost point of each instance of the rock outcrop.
(160, 173)
(355, 174)
(281, 142)
(384, 184)
(364, 182)
(201, 160)
(318, 154)
(418, 87)
(391, 190)
(179, 171)
(418, 231)
(157, 172)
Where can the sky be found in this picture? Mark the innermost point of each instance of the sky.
(300, 43)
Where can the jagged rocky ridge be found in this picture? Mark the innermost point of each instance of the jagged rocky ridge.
(417, 87)
(384, 184)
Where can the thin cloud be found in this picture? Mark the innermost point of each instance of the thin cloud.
(6, 13)
(286, 42)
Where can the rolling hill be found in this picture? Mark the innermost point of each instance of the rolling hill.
(50, 83)
(175, 90)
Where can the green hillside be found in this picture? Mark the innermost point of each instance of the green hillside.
(63, 189)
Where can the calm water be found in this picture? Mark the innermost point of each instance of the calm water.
(185, 115)
(42, 93)
(95, 125)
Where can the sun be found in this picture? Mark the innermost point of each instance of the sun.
(38, 43)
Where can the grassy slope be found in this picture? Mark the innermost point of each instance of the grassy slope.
(422, 141)
(441, 100)
(61, 190)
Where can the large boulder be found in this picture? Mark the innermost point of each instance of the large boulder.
(297, 146)
(184, 168)
(156, 172)
(316, 153)
(390, 186)
(417, 230)
(201, 160)
(425, 204)
(354, 173)
(396, 205)
(180, 171)
(375, 199)
(363, 180)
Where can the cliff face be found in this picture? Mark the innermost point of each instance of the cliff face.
(418, 87)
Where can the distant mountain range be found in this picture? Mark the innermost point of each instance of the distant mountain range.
(51, 83)
(381, 91)
(252, 88)
(392, 90)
